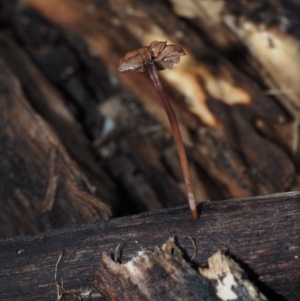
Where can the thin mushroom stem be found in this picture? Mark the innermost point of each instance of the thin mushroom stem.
(164, 56)
(153, 73)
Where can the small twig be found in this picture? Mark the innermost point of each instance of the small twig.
(61, 291)
(117, 254)
(195, 247)
(49, 198)
(58, 286)
(161, 55)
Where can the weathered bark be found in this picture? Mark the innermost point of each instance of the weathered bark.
(163, 274)
(261, 233)
(41, 187)
(266, 34)
(238, 138)
(223, 104)
(68, 74)
(49, 103)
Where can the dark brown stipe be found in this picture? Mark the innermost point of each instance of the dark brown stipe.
(163, 56)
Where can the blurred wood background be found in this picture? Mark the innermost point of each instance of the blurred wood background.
(250, 230)
(80, 142)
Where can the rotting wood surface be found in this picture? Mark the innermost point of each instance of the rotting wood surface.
(238, 115)
(40, 184)
(261, 233)
(225, 102)
(164, 274)
(267, 34)
(240, 139)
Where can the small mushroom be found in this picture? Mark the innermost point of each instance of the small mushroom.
(159, 56)
(163, 55)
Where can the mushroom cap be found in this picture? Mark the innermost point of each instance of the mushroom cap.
(163, 55)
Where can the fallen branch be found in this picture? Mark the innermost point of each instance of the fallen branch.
(262, 233)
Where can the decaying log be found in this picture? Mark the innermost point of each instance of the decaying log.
(58, 63)
(163, 274)
(133, 147)
(261, 233)
(222, 104)
(265, 32)
(41, 187)
(49, 103)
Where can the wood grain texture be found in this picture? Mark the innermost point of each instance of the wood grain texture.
(73, 85)
(163, 274)
(218, 105)
(262, 233)
(238, 137)
(262, 38)
(49, 102)
(41, 186)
